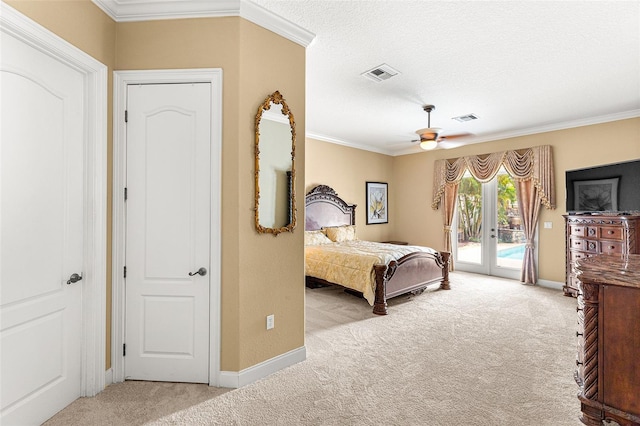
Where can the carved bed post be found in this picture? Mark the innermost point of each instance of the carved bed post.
(383, 273)
(443, 262)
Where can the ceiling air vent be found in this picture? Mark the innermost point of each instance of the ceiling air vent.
(380, 73)
(467, 117)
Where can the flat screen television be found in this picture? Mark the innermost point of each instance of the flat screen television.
(607, 188)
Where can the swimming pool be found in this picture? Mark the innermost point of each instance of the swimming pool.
(516, 252)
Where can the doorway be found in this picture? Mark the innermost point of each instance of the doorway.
(489, 238)
(166, 262)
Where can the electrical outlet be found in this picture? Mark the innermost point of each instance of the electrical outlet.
(270, 320)
(548, 225)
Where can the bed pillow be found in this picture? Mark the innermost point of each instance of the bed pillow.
(341, 233)
(314, 238)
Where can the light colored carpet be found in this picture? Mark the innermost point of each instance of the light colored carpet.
(488, 352)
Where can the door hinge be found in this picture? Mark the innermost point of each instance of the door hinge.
(125, 272)
(126, 194)
(124, 349)
(126, 116)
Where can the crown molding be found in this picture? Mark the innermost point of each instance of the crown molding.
(491, 137)
(329, 139)
(624, 115)
(149, 10)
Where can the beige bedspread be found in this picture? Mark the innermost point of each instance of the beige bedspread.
(350, 263)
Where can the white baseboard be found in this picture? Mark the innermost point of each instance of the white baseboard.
(108, 377)
(233, 379)
(550, 284)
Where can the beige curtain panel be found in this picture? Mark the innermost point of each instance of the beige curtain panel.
(531, 168)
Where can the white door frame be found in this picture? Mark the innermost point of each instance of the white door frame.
(120, 82)
(94, 270)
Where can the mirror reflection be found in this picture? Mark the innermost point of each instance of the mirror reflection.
(275, 173)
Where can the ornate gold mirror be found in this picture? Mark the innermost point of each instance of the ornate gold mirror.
(275, 167)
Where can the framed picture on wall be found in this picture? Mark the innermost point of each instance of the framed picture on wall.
(596, 195)
(377, 203)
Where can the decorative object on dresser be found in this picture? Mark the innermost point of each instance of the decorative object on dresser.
(329, 233)
(594, 233)
(608, 365)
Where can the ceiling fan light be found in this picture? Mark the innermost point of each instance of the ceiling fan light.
(429, 133)
(428, 144)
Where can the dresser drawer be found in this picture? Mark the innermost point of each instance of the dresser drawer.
(611, 247)
(611, 233)
(573, 282)
(575, 255)
(584, 245)
(578, 231)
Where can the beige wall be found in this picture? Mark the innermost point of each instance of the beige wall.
(411, 176)
(261, 274)
(347, 170)
(270, 273)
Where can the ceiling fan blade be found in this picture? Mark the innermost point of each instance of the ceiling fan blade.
(450, 144)
(456, 136)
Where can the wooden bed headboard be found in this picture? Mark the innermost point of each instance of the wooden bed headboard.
(324, 208)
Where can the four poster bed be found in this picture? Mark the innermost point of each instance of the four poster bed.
(380, 271)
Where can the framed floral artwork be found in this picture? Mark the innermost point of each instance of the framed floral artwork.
(377, 203)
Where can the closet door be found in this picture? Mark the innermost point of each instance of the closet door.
(168, 232)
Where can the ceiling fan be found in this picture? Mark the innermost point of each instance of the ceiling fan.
(430, 136)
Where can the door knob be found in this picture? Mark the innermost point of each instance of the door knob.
(201, 271)
(74, 278)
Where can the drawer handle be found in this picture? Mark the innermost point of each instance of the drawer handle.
(612, 247)
(578, 309)
(609, 232)
(578, 334)
(578, 363)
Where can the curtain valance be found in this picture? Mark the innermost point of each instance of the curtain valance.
(535, 164)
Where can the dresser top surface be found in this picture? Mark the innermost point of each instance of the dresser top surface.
(623, 270)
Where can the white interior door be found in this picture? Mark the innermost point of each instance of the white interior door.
(168, 212)
(42, 230)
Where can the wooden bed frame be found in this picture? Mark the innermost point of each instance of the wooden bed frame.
(411, 273)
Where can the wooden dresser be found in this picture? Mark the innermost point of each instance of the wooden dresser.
(588, 235)
(608, 362)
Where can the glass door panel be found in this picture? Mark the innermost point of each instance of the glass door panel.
(469, 211)
(509, 240)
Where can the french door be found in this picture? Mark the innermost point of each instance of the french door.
(489, 236)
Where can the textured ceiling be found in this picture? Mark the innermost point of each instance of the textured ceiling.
(521, 66)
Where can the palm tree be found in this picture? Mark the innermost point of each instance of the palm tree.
(470, 208)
